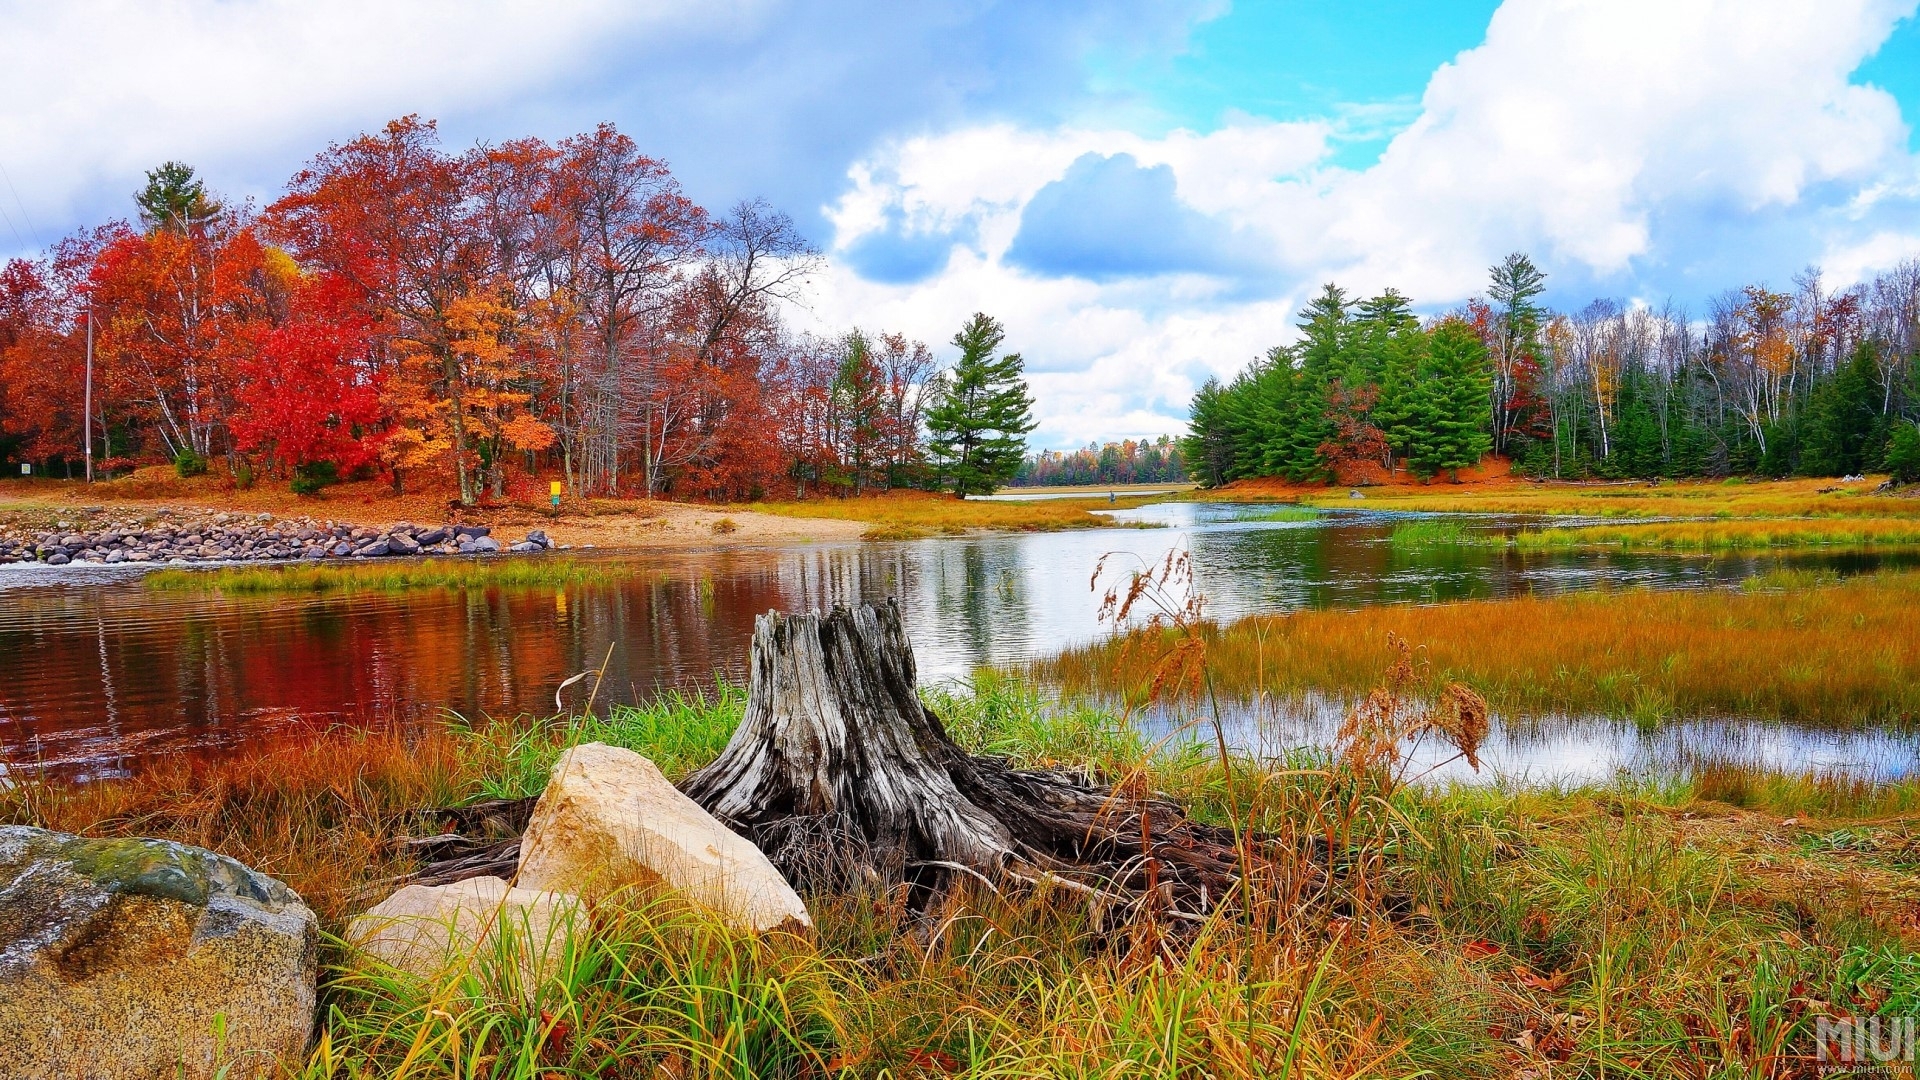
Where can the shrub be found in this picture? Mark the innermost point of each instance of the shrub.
(314, 475)
(1903, 454)
(724, 526)
(187, 463)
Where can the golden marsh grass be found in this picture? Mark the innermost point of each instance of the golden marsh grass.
(910, 515)
(1841, 652)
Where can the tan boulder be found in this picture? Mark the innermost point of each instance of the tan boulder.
(429, 930)
(609, 820)
(138, 958)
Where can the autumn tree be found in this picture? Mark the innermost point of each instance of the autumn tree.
(393, 217)
(859, 410)
(304, 397)
(178, 306)
(906, 370)
(624, 236)
(711, 415)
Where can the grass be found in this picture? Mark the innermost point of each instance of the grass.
(1433, 533)
(1693, 499)
(1695, 516)
(1837, 652)
(1734, 535)
(388, 576)
(1647, 931)
(1283, 513)
(904, 515)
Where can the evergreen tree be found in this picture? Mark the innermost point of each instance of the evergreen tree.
(174, 199)
(1903, 453)
(1208, 447)
(1515, 286)
(981, 413)
(1842, 419)
(1453, 401)
(1326, 333)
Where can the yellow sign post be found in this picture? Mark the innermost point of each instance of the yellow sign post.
(554, 490)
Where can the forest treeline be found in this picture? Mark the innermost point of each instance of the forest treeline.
(473, 319)
(1130, 461)
(1812, 382)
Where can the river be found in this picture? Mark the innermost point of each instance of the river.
(98, 672)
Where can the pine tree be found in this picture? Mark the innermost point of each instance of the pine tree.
(1453, 401)
(174, 199)
(981, 413)
(1842, 418)
(1208, 447)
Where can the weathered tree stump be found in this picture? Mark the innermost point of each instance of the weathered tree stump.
(842, 775)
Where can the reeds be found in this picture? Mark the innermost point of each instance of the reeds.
(1690, 499)
(1728, 535)
(909, 515)
(1838, 652)
(389, 576)
(1435, 533)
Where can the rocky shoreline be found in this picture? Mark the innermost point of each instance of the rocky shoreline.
(174, 537)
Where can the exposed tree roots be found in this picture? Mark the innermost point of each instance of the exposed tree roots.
(844, 777)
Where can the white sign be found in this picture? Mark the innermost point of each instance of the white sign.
(26, 468)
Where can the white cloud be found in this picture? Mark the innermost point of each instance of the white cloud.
(1846, 265)
(1604, 138)
(96, 93)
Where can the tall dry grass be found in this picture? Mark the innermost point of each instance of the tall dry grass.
(1729, 535)
(1842, 652)
(318, 814)
(906, 515)
(1468, 932)
(1687, 499)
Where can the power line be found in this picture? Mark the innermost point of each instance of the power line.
(24, 216)
(14, 229)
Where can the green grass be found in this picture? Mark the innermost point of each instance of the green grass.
(1648, 928)
(1284, 513)
(1437, 533)
(389, 576)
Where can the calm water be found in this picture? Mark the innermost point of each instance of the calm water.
(96, 671)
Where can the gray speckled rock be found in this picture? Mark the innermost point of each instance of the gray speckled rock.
(116, 956)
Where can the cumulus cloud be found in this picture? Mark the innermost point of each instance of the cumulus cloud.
(1111, 217)
(97, 93)
(1637, 148)
(742, 97)
(942, 152)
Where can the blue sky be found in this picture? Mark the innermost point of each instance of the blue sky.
(1144, 192)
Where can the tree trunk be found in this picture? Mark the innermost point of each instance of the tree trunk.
(842, 776)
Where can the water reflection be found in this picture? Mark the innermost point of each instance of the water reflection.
(96, 671)
(1566, 750)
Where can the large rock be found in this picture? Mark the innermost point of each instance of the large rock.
(609, 820)
(117, 956)
(429, 930)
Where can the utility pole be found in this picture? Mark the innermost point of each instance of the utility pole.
(86, 408)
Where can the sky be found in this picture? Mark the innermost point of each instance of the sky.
(1143, 191)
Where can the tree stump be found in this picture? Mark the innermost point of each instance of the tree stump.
(842, 776)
